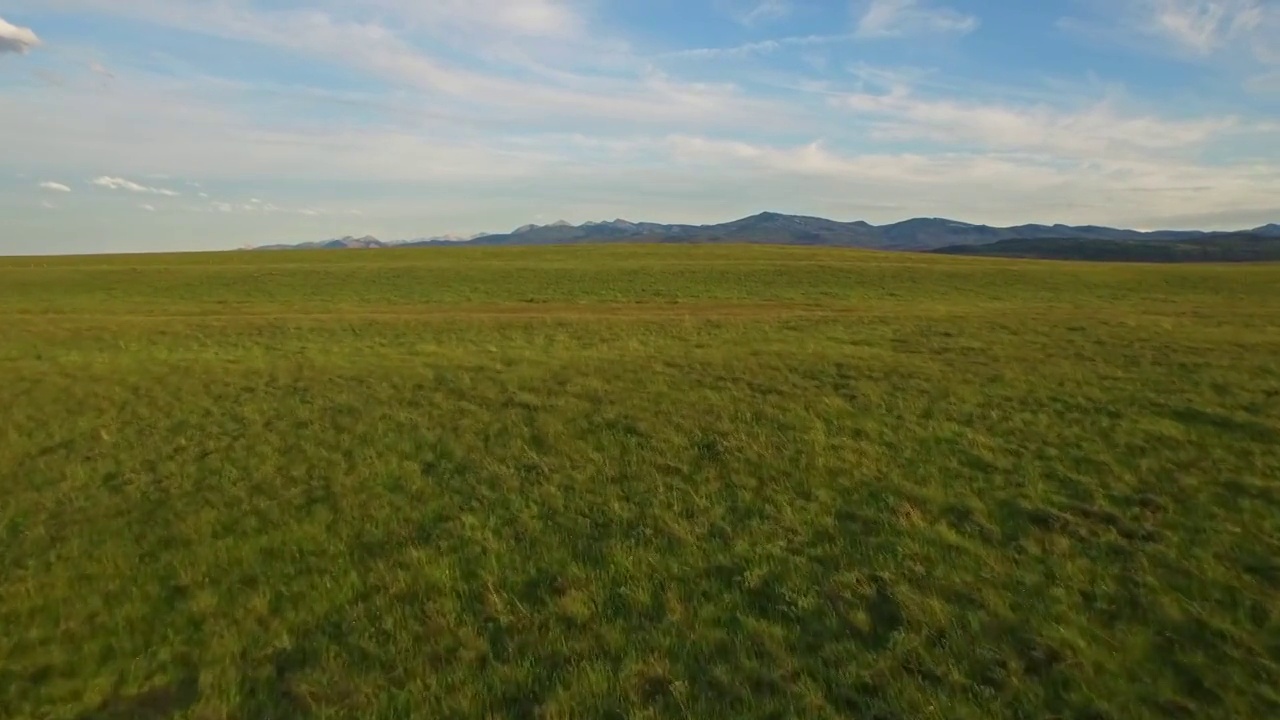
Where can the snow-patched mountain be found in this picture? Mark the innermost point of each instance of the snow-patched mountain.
(438, 239)
(348, 242)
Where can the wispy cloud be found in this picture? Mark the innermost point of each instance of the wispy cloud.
(1236, 39)
(761, 47)
(1203, 26)
(1198, 29)
(257, 206)
(15, 39)
(1093, 132)
(528, 18)
(764, 11)
(54, 187)
(148, 208)
(902, 18)
(1265, 83)
(115, 183)
(376, 49)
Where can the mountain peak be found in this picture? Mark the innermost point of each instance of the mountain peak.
(768, 216)
(561, 223)
(763, 217)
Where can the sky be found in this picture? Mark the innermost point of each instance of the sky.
(145, 125)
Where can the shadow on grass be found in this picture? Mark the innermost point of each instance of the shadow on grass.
(274, 693)
(1082, 522)
(1249, 429)
(159, 703)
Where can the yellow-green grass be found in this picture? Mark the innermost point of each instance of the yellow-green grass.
(641, 481)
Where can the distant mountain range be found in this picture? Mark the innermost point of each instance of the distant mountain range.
(920, 234)
(369, 242)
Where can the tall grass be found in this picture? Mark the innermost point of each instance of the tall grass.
(637, 482)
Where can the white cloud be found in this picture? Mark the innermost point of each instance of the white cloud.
(149, 124)
(115, 183)
(15, 39)
(48, 205)
(55, 187)
(258, 207)
(470, 126)
(766, 11)
(1198, 29)
(148, 208)
(528, 18)
(901, 18)
(1093, 132)
(1264, 83)
(99, 69)
(998, 161)
(762, 47)
(645, 96)
(816, 160)
(1203, 26)
(1235, 39)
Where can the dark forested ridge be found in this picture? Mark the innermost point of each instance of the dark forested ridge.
(1224, 247)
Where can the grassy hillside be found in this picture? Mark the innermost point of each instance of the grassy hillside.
(1232, 247)
(637, 481)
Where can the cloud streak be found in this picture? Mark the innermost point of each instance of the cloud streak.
(256, 206)
(762, 47)
(1203, 26)
(1093, 132)
(646, 96)
(765, 11)
(116, 183)
(54, 187)
(1198, 30)
(906, 18)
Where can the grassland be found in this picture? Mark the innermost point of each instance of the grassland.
(645, 482)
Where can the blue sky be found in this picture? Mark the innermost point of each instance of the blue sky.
(203, 124)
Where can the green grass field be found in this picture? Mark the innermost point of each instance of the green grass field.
(637, 482)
